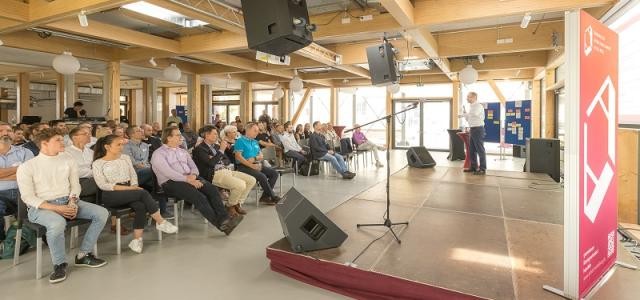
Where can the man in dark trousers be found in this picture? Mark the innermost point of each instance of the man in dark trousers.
(475, 118)
(320, 150)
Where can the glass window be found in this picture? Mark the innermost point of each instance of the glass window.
(370, 105)
(305, 115)
(483, 89)
(628, 28)
(226, 98)
(321, 105)
(345, 106)
(272, 108)
(440, 90)
(514, 90)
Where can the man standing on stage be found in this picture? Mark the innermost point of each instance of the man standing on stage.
(475, 118)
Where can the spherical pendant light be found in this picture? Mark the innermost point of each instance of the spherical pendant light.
(468, 75)
(296, 85)
(66, 64)
(278, 93)
(172, 73)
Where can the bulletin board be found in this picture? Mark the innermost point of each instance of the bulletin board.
(517, 122)
(492, 122)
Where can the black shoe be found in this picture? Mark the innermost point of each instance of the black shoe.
(275, 199)
(267, 200)
(230, 224)
(348, 176)
(481, 172)
(350, 173)
(90, 261)
(469, 170)
(59, 273)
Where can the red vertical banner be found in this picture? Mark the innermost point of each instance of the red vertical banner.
(598, 124)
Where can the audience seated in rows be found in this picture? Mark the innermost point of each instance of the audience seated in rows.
(178, 176)
(321, 150)
(50, 186)
(11, 157)
(215, 167)
(291, 147)
(249, 161)
(118, 180)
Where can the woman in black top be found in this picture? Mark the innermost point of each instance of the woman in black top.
(299, 134)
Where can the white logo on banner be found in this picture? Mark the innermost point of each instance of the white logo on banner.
(588, 41)
(593, 202)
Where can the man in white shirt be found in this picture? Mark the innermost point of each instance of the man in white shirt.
(83, 156)
(291, 147)
(475, 118)
(49, 186)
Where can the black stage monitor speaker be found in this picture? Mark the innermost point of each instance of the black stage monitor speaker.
(382, 64)
(278, 27)
(419, 157)
(305, 226)
(543, 156)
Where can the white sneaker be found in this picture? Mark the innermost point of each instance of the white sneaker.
(167, 227)
(379, 164)
(136, 245)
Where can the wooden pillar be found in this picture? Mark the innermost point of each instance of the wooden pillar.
(195, 102)
(246, 102)
(207, 103)
(535, 109)
(333, 106)
(60, 96)
(24, 95)
(165, 106)
(133, 105)
(285, 102)
(113, 90)
(455, 105)
(550, 106)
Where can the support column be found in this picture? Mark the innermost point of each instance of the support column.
(536, 100)
(133, 104)
(150, 96)
(333, 106)
(549, 110)
(61, 103)
(70, 91)
(24, 95)
(207, 99)
(164, 113)
(284, 105)
(112, 89)
(246, 102)
(194, 101)
(455, 105)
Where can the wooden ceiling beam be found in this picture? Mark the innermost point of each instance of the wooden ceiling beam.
(484, 41)
(329, 75)
(117, 34)
(14, 10)
(202, 11)
(509, 61)
(29, 40)
(429, 12)
(43, 11)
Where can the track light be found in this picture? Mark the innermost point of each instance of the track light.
(152, 61)
(83, 19)
(525, 21)
(481, 58)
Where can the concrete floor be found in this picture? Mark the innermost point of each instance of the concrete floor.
(200, 262)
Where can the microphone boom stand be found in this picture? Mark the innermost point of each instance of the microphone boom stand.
(387, 218)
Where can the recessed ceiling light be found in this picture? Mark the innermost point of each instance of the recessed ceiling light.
(162, 13)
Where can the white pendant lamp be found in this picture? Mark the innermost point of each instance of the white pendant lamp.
(172, 73)
(278, 93)
(394, 88)
(66, 64)
(468, 75)
(296, 85)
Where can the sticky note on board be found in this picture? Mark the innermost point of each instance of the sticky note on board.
(520, 133)
(518, 103)
(513, 130)
(518, 114)
(496, 122)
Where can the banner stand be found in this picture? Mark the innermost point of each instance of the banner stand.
(590, 195)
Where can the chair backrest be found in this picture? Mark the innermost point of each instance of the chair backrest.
(21, 214)
(269, 153)
(303, 142)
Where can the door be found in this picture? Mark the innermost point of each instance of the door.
(425, 125)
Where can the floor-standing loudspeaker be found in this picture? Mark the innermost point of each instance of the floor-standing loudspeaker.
(278, 27)
(382, 64)
(420, 157)
(305, 226)
(543, 156)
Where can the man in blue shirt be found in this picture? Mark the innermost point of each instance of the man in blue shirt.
(10, 158)
(249, 161)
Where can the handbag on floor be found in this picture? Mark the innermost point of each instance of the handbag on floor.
(28, 240)
(304, 168)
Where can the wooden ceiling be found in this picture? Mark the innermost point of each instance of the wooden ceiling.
(222, 48)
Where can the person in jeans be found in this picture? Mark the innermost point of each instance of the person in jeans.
(291, 147)
(362, 143)
(249, 161)
(49, 187)
(475, 118)
(216, 167)
(116, 177)
(178, 176)
(320, 150)
(10, 158)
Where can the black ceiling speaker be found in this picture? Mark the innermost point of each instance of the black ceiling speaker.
(277, 27)
(382, 64)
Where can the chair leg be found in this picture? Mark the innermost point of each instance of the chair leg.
(176, 212)
(182, 208)
(95, 249)
(73, 237)
(257, 199)
(16, 251)
(39, 258)
(280, 185)
(118, 236)
(159, 235)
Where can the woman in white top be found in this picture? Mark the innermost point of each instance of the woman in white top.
(115, 176)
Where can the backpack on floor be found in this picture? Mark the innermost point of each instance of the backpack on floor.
(28, 240)
(314, 165)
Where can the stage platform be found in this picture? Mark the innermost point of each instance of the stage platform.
(498, 236)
